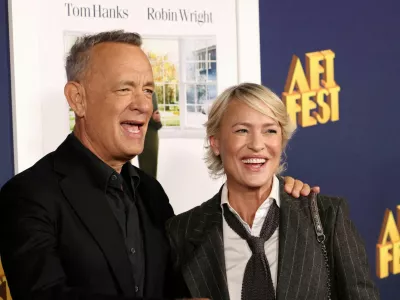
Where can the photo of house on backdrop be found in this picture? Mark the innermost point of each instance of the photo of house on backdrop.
(185, 76)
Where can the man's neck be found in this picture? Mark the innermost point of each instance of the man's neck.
(85, 140)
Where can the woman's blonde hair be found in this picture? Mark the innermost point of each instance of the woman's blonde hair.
(257, 97)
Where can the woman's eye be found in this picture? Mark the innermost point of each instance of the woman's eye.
(273, 131)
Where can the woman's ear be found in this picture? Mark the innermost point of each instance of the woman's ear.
(214, 143)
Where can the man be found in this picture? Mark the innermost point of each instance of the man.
(148, 159)
(83, 222)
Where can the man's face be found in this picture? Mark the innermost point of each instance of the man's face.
(118, 89)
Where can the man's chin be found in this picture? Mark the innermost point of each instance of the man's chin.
(132, 152)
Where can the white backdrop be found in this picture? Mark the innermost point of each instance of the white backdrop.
(40, 112)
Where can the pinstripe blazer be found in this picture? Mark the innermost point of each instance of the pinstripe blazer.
(198, 251)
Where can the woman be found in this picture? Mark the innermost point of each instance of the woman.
(252, 240)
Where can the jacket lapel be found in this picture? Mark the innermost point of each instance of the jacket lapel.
(156, 247)
(285, 244)
(300, 257)
(90, 204)
(205, 272)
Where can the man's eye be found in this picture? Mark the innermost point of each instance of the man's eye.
(148, 91)
(124, 90)
(241, 131)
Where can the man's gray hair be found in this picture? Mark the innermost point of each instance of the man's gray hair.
(79, 55)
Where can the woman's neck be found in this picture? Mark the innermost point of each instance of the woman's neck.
(246, 201)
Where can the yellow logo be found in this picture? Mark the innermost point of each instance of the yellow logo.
(388, 247)
(305, 92)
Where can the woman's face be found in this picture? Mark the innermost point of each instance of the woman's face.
(250, 145)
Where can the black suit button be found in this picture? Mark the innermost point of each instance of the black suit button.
(136, 289)
(114, 177)
(133, 250)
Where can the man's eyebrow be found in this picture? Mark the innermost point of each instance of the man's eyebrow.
(133, 84)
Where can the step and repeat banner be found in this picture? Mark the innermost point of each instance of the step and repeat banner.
(336, 66)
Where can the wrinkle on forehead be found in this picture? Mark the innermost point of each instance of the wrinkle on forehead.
(112, 61)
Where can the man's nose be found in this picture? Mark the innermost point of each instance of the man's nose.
(141, 102)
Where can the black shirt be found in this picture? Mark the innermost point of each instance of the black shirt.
(122, 196)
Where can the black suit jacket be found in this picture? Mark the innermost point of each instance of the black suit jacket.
(59, 237)
(196, 238)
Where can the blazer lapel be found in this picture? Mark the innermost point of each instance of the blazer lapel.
(205, 272)
(300, 259)
(154, 241)
(90, 204)
(286, 229)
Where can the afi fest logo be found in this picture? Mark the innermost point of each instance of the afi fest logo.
(388, 246)
(310, 99)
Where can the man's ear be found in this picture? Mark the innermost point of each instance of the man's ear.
(75, 94)
(214, 143)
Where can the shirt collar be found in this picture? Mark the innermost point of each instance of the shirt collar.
(274, 194)
(101, 171)
(129, 171)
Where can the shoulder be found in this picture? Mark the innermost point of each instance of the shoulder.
(183, 223)
(148, 180)
(33, 190)
(154, 197)
(179, 222)
(36, 179)
(331, 210)
(326, 202)
(151, 186)
(328, 207)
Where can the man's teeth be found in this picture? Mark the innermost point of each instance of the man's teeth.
(254, 160)
(133, 129)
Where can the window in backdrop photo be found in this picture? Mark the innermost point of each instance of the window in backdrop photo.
(185, 76)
